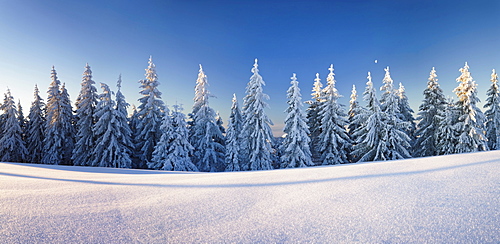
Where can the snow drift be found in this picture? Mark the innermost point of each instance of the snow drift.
(446, 199)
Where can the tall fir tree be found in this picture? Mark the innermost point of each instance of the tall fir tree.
(470, 124)
(174, 151)
(133, 122)
(85, 110)
(59, 124)
(448, 132)
(12, 146)
(111, 149)
(256, 126)
(406, 115)
(22, 120)
(150, 114)
(429, 118)
(124, 160)
(314, 120)
(354, 124)
(371, 134)
(295, 148)
(68, 126)
(493, 113)
(206, 135)
(233, 138)
(398, 142)
(35, 129)
(334, 142)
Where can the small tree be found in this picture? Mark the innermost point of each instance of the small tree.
(334, 140)
(12, 146)
(35, 129)
(354, 124)
(233, 137)
(22, 120)
(295, 147)
(173, 151)
(493, 113)
(67, 126)
(447, 132)
(406, 115)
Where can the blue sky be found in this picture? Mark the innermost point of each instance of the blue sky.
(302, 37)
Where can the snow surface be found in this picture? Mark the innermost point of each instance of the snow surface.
(446, 199)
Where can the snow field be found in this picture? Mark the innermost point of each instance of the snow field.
(445, 199)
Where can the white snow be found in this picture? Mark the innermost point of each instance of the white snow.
(445, 199)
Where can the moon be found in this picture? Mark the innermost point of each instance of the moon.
(376, 61)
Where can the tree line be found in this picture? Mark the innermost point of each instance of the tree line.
(99, 132)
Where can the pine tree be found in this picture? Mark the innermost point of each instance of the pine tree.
(256, 126)
(447, 132)
(68, 126)
(371, 135)
(150, 114)
(493, 113)
(53, 141)
(206, 135)
(124, 159)
(314, 120)
(22, 120)
(35, 129)
(111, 149)
(429, 116)
(85, 109)
(233, 138)
(133, 122)
(12, 146)
(295, 148)
(174, 150)
(471, 119)
(334, 140)
(354, 109)
(406, 115)
(398, 142)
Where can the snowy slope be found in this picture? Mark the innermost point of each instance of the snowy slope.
(448, 199)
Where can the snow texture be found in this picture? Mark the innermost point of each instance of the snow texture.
(443, 199)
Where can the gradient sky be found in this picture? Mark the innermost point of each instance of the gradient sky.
(302, 37)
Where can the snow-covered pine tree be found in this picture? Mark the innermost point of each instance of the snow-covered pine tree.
(314, 120)
(398, 142)
(206, 135)
(174, 150)
(371, 134)
(54, 134)
(233, 137)
(428, 118)
(493, 113)
(334, 142)
(447, 132)
(406, 115)
(256, 126)
(295, 148)
(471, 119)
(35, 129)
(68, 126)
(110, 150)
(150, 114)
(12, 146)
(354, 109)
(124, 159)
(133, 122)
(85, 109)
(22, 120)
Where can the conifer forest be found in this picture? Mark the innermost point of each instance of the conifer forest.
(378, 124)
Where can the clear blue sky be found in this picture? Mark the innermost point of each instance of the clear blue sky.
(302, 37)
